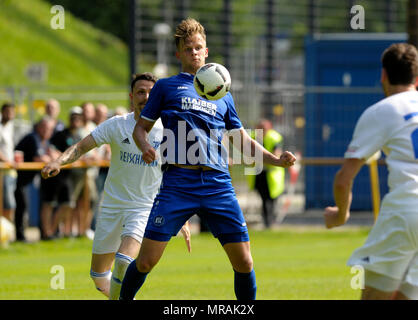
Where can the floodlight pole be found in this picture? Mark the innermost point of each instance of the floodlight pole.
(269, 56)
(350, 3)
(389, 16)
(134, 35)
(182, 9)
(412, 20)
(182, 13)
(227, 39)
(312, 17)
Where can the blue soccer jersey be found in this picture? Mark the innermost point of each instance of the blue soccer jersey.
(193, 132)
(193, 126)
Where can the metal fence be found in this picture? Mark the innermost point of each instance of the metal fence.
(313, 186)
(30, 101)
(262, 44)
(321, 129)
(260, 41)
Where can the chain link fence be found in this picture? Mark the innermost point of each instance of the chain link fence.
(262, 42)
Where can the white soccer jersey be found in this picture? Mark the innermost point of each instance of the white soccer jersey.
(131, 184)
(391, 125)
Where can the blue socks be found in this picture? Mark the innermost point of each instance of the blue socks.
(132, 282)
(245, 286)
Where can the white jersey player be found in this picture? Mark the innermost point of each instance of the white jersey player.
(129, 190)
(390, 254)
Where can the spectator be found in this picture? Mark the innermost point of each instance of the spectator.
(35, 148)
(52, 109)
(104, 153)
(120, 110)
(269, 183)
(101, 113)
(6, 155)
(89, 114)
(88, 197)
(63, 190)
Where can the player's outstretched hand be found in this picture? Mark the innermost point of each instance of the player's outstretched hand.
(185, 230)
(333, 218)
(287, 159)
(50, 170)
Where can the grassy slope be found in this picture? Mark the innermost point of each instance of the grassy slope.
(77, 55)
(290, 264)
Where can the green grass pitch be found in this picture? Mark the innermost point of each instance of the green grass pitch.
(291, 263)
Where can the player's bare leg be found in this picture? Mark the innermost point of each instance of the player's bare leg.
(388, 289)
(129, 246)
(149, 254)
(101, 265)
(100, 271)
(128, 250)
(399, 296)
(406, 291)
(369, 293)
(239, 255)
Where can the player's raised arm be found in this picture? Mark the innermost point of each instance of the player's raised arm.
(140, 136)
(286, 159)
(70, 155)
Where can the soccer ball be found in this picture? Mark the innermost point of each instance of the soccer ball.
(212, 81)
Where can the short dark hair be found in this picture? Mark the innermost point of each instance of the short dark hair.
(142, 76)
(400, 61)
(7, 105)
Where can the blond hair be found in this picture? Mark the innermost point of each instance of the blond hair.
(187, 28)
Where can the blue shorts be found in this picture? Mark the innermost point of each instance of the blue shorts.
(209, 194)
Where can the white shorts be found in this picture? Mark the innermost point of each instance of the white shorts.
(391, 248)
(112, 226)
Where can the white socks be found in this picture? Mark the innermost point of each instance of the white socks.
(122, 262)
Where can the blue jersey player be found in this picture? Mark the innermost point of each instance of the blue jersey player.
(195, 174)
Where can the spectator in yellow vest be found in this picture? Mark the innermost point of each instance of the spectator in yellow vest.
(270, 182)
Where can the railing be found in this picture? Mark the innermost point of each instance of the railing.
(374, 178)
(40, 165)
(25, 166)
